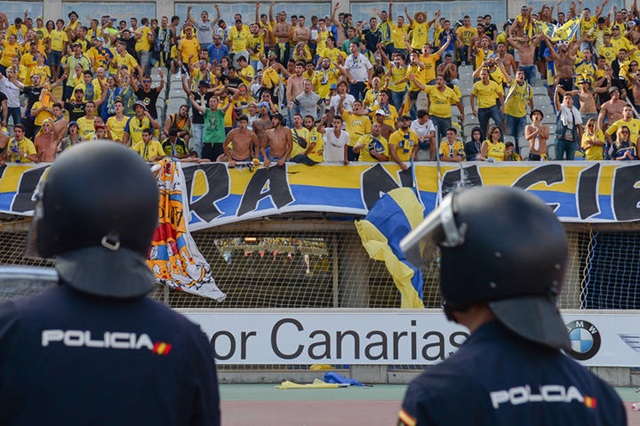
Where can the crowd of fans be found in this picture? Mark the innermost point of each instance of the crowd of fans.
(275, 88)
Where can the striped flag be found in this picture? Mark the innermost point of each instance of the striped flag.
(388, 221)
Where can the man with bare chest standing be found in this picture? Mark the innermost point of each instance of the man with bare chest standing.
(241, 143)
(279, 142)
(526, 48)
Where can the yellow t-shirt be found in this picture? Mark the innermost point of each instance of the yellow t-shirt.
(322, 81)
(26, 145)
(517, 98)
(317, 152)
(419, 74)
(446, 150)
(440, 105)
(239, 38)
(356, 126)
(143, 43)
(430, 66)
(379, 145)
(397, 35)
(465, 34)
(134, 128)
(127, 60)
(256, 44)
(419, 34)
(332, 54)
(610, 53)
(86, 128)
(189, 50)
(116, 127)
(404, 143)
(9, 51)
(150, 150)
(633, 125)
(397, 74)
(593, 153)
(296, 134)
(58, 38)
(42, 115)
(486, 94)
(495, 150)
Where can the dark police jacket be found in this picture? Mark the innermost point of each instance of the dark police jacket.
(67, 357)
(498, 378)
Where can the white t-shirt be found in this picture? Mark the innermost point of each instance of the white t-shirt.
(334, 146)
(358, 66)
(346, 104)
(11, 91)
(423, 130)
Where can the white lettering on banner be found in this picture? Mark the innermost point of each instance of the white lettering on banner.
(378, 337)
(546, 393)
(110, 339)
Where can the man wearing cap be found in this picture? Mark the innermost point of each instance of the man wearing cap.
(98, 54)
(136, 124)
(403, 143)
(98, 332)
(385, 129)
(510, 370)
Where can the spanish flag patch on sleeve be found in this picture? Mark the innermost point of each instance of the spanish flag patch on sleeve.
(404, 419)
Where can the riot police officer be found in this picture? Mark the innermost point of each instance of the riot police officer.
(95, 350)
(503, 260)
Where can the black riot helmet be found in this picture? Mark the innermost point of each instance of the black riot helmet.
(96, 212)
(503, 247)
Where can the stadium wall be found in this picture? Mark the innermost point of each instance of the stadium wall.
(362, 10)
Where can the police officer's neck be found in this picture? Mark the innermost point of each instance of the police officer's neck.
(474, 317)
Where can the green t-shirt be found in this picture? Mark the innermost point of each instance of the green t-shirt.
(213, 127)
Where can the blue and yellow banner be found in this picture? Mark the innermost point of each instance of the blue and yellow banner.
(581, 191)
(396, 214)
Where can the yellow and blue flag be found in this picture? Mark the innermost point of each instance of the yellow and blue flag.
(389, 220)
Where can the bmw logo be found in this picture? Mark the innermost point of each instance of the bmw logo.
(585, 340)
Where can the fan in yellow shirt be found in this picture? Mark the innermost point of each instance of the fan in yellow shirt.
(148, 148)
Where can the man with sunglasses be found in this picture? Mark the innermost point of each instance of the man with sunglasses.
(147, 95)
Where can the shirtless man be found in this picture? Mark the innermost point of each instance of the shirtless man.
(295, 84)
(262, 123)
(506, 59)
(588, 107)
(243, 143)
(45, 142)
(563, 61)
(537, 135)
(59, 122)
(282, 31)
(526, 48)
(301, 34)
(279, 142)
(611, 110)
